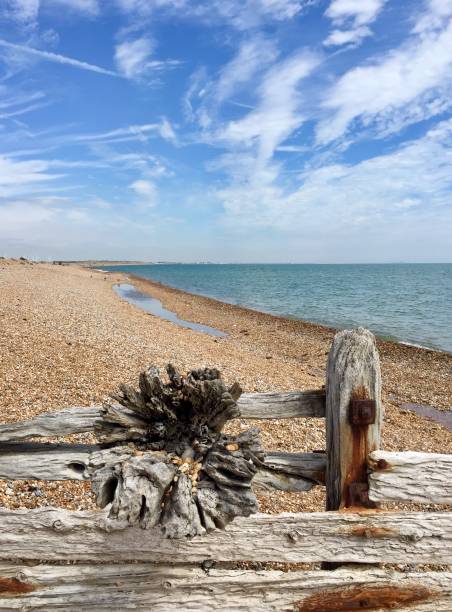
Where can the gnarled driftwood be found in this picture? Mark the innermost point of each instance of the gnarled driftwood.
(179, 471)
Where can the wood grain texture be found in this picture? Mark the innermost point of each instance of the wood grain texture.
(282, 405)
(47, 534)
(25, 461)
(353, 372)
(309, 465)
(251, 405)
(291, 471)
(30, 460)
(424, 478)
(163, 589)
(62, 423)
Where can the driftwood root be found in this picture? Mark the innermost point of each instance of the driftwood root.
(172, 466)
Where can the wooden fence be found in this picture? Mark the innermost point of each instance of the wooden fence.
(57, 559)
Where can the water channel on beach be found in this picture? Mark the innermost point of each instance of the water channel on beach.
(153, 306)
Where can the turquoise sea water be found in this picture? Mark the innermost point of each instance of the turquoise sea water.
(406, 302)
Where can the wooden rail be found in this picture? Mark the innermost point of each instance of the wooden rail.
(356, 537)
(424, 478)
(293, 404)
(61, 423)
(399, 477)
(24, 461)
(164, 589)
(252, 406)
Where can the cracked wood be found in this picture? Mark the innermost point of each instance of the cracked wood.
(370, 536)
(423, 478)
(163, 589)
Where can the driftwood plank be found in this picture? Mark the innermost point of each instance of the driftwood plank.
(282, 405)
(309, 465)
(25, 461)
(410, 477)
(162, 589)
(291, 471)
(47, 534)
(62, 423)
(251, 405)
(28, 461)
(353, 375)
(269, 480)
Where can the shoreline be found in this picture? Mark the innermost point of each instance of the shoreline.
(407, 370)
(329, 327)
(246, 309)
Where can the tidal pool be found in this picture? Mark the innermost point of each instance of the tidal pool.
(443, 417)
(153, 306)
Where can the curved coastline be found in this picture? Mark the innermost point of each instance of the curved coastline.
(217, 303)
(403, 304)
(411, 374)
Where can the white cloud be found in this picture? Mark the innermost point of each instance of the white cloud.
(252, 141)
(408, 190)
(24, 51)
(36, 221)
(17, 177)
(26, 12)
(86, 7)
(12, 101)
(434, 15)
(146, 192)
(51, 229)
(22, 111)
(353, 16)
(131, 133)
(148, 165)
(16, 104)
(278, 111)
(411, 82)
(253, 56)
(361, 12)
(241, 14)
(132, 57)
(347, 37)
(166, 130)
(246, 14)
(144, 8)
(17, 217)
(204, 96)
(21, 11)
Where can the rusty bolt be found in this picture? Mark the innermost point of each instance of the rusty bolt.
(359, 494)
(362, 411)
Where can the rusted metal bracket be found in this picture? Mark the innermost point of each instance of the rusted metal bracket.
(358, 493)
(362, 411)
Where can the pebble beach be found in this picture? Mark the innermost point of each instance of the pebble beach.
(67, 339)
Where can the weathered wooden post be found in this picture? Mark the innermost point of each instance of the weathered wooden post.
(353, 417)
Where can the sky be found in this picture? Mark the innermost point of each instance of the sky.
(226, 130)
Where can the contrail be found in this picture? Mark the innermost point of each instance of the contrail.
(59, 59)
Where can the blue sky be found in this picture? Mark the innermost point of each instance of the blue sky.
(226, 130)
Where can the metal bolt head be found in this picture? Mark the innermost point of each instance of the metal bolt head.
(362, 411)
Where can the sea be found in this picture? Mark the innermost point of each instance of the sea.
(410, 303)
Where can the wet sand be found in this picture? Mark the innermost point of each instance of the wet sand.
(68, 339)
